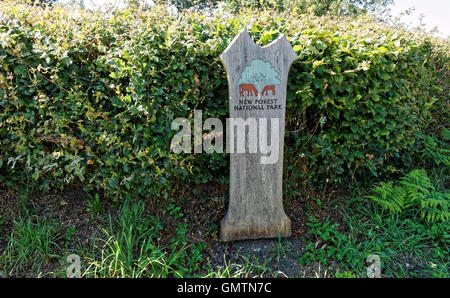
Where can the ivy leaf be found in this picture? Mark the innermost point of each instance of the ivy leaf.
(113, 182)
(21, 70)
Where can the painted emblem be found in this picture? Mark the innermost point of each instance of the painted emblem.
(259, 77)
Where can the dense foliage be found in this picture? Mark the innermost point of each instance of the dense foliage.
(315, 7)
(90, 98)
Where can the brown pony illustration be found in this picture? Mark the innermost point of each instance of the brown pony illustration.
(250, 88)
(267, 88)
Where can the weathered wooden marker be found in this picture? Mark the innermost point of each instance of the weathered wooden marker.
(257, 78)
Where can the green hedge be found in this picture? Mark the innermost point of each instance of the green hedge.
(89, 98)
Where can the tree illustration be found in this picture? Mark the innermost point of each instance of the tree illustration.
(259, 73)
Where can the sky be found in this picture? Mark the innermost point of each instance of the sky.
(436, 13)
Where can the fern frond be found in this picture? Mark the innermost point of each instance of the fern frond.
(416, 186)
(446, 134)
(435, 207)
(415, 190)
(386, 197)
(435, 149)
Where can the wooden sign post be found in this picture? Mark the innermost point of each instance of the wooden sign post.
(257, 78)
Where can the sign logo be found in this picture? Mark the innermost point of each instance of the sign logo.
(259, 77)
